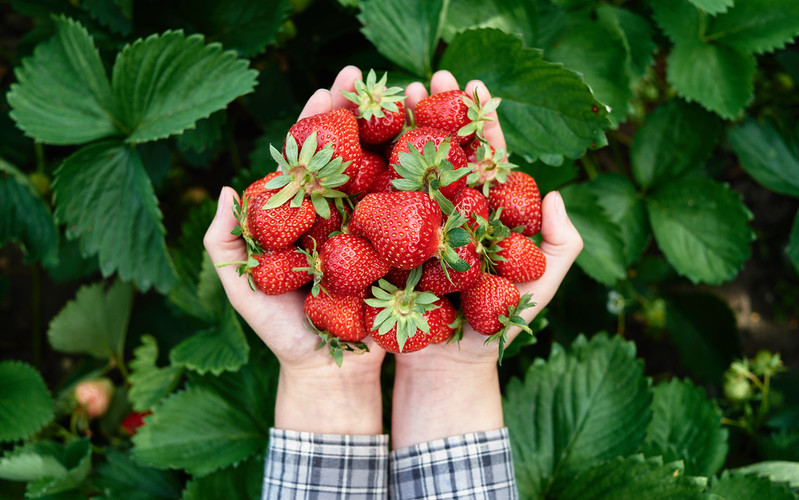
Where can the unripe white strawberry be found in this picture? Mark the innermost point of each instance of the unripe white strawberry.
(94, 396)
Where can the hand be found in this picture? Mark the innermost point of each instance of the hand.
(314, 394)
(444, 389)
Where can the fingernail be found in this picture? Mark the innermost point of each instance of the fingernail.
(221, 202)
(560, 208)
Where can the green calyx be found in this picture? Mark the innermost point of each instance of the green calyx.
(513, 319)
(402, 308)
(488, 169)
(336, 347)
(307, 173)
(373, 98)
(477, 114)
(314, 268)
(487, 234)
(453, 235)
(427, 170)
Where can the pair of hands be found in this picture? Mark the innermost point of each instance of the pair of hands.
(440, 391)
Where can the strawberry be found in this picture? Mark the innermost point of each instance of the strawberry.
(337, 127)
(426, 159)
(380, 111)
(442, 321)
(322, 228)
(383, 182)
(346, 264)
(275, 272)
(520, 259)
(488, 166)
(273, 228)
(438, 278)
(456, 112)
(492, 306)
(135, 419)
(400, 318)
(471, 203)
(339, 323)
(402, 226)
(94, 396)
(520, 201)
(257, 187)
(372, 165)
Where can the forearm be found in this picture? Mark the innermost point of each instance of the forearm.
(444, 403)
(330, 402)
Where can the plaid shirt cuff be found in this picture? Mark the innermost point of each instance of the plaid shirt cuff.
(303, 465)
(472, 466)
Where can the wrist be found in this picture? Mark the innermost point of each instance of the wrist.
(335, 401)
(432, 403)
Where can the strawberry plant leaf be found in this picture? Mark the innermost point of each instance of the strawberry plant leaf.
(121, 477)
(149, 382)
(603, 256)
(222, 347)
(212, 435)
(600, 57)
(33, 461)
(736, 486)
(242, 482)
(62, 94)
(25, 218)
(780, 471)
(25, 399)
(635, 34)
(622, 204)
(574, 410)
(406, 32)
(713, 6)
(163, 84)
(510, 16)
(547, 111)
(686, 425)
(104, 195)
(702, 228)
(76, 457)
(766, 154)
(703, 329)
(678, 19)
(634, 477)
(95, 322)
(676, 138)
(115, 14)
(204, 136)
(757, 27)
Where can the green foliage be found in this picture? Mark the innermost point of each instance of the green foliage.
(668, 126)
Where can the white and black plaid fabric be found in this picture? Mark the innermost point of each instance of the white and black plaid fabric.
(472, 466)
(302, 465)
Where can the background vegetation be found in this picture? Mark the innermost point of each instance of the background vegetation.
(666, 367)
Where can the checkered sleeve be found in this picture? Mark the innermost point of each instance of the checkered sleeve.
(303, 465)
(470, 466)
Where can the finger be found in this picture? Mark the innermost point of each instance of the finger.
(442, 81)
(491, 128)
(222, 246)
(561, 245)
(414, 93)
(345, 80)
(320, 102)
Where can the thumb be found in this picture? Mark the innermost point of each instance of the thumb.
(223, 246)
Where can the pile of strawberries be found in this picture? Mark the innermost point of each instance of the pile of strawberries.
(403, 225)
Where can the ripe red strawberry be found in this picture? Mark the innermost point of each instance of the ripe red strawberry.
(471, 203)
(492, 306)
(133, 421)
(403, 226)
(520, 259)
(383, 182)
(402, 319)
(257, 187)
(456, 112)
(442, 321)
(322, 228)
(274, 228)
(339, 323)
(339, 128)
(273, 271)
(380, 111)
(347, 264)
(372, 166)
(520, 200)
(419, 167)
(440, 279)
(341, 316)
